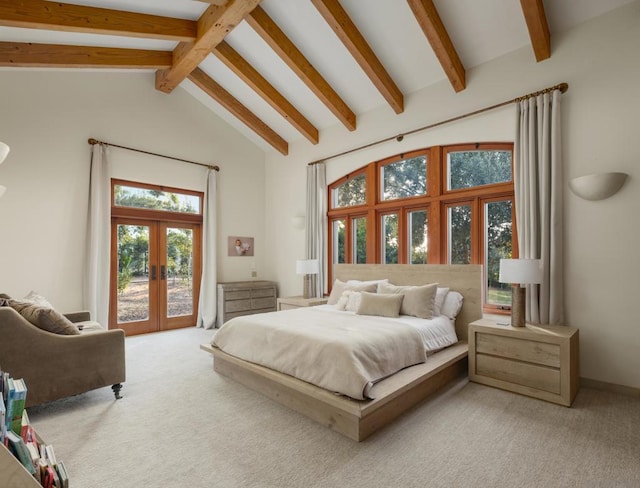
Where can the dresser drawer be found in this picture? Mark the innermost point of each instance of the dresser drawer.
(523, 350)
(258, 303)
(263, 292)
(237, 305)
(527, 374)
(237, 294)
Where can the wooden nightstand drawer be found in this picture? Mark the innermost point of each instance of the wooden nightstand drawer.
(527, 374)
(535, 360)
(523, 350)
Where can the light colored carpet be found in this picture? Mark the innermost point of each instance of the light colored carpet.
(181, 425)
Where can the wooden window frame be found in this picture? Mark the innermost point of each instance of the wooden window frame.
(436, 201)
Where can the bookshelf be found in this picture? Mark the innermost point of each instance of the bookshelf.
(12, 473)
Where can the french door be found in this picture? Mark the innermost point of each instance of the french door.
(155, 275)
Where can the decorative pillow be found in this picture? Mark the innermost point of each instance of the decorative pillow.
(38, 299)
(441, 294)
(44, 317)
(340, 286)
(343, 300)
(418, 300)
(354, 301)
(452, 304)
(380, 305)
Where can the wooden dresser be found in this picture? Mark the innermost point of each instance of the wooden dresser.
(237, 298)
(535, 360)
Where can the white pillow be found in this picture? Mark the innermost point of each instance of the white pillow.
(343, 300)
(355, 297)
(370, 282)
(452, 304)
(441, 294)
(340, 286)
(34, 297)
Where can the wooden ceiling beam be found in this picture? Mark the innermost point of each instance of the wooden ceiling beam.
(427, 16)
(40, 14)
(247, 73)
(224, 98)
(213, 25)
(538, 27)
(30, 55)
(338, 19)
(291, 55)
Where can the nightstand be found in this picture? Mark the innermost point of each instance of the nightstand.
(297, 302)
(535, 360)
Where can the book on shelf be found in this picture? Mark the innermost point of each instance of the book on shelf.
(16, 398)
(20, 451)
(3, 421)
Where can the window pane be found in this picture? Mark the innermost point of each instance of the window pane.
(459, 234)
(497, 246)
(359, 229)
(350, 193)
(403, 179)
(179, 271)
(417, 233)
(338, 241)
(390, 239)
(131, 196)
(466, 169)
(133, 273)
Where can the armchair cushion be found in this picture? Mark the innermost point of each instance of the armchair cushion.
(44, 317)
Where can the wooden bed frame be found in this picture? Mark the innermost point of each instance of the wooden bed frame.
(359, 419)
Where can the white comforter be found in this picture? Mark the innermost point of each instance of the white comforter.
(339, 351)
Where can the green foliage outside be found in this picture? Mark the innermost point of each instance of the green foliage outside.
(126, 196)
(475, 168)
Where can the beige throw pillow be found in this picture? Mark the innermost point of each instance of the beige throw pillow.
(340, 286)
(379, 305)
(45, 318)
(418, 300)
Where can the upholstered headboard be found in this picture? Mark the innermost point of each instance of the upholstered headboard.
(463, 278)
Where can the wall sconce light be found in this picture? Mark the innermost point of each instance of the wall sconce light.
(4, 151)
(597, 186)
(519, 272)
(298, 222)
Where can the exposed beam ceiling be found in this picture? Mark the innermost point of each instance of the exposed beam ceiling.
(432, 26)
(536, 20)
(213, 26)
(29, 55)
(229, 102)
(291, 55)
(247, 73)
(346, 30)
(40, 14)
(285, 47)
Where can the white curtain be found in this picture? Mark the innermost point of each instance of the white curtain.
(96, 271)
(316, 222)
(538, 194)
(207, 300)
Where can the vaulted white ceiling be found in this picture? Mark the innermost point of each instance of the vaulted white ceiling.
(479, 31)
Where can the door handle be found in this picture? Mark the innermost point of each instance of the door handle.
(153, 272)
(163, 274)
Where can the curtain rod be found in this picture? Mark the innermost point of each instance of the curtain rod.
(563, 87)
(210, 166)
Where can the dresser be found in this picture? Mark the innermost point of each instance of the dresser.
(538, 361)
(237, 298)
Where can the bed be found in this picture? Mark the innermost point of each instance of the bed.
(359, 418)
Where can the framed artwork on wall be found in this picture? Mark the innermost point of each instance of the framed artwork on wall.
(240, 246)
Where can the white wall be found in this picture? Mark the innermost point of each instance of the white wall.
(600, 61)
(46, 118)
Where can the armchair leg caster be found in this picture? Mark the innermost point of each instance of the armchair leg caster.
(116, 390)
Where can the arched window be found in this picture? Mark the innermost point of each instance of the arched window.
(443, 204)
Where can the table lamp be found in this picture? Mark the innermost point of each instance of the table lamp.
(307, 268)
(519, 272)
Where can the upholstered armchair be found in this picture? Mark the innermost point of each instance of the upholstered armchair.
(55, 365)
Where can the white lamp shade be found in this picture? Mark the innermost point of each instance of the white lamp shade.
(307, 266)
(597, 186)
(4, 150)
(520, 271)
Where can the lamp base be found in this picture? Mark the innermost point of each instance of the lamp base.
(518, 306)
(308, 286)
